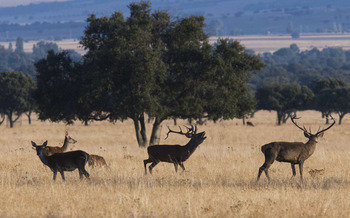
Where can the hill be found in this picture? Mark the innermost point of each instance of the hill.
(66, 19)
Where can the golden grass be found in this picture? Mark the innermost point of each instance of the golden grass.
(219, 181)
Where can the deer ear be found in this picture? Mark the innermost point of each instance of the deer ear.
(34, 144)
(320, 135)
(45, 144)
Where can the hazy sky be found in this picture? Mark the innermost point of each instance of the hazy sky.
(7, 3)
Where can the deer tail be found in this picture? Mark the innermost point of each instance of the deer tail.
(265, 147)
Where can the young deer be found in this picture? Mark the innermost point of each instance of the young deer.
(175, 154)
(52, 150)
(95, 160)
(60, 162)
(291, 152)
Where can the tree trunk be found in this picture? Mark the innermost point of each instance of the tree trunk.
(326, 114)
(243, 119)
(156, 130)
(11, 120)
(285, 117)
(9, 116)
(341, 116)
(138, 133)
(279, 117)
(29, 117)
(3, 118)
(143, 130)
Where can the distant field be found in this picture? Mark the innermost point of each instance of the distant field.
(259, 43)
(219, 181)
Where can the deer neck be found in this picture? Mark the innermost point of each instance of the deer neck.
(65, 144)
(311, 146)
(190, 147)
(44, 158)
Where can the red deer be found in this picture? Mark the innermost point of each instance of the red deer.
(291, 152)
(60, 162)
(52, 150)
(95, 160)
(175, 154)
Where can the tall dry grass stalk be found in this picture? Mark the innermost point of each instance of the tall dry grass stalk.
(219, 181)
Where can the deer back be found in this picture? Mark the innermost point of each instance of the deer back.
(68, 161)
(48, 151)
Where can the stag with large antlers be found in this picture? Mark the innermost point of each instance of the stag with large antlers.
(291, 152)
(175, 154)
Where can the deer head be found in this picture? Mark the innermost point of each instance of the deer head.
(191, 133)
(39, 148)
(307, 133)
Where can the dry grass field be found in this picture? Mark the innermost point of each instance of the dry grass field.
(219, 181)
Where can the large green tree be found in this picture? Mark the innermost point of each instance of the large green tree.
(15, 95)
(150, 64)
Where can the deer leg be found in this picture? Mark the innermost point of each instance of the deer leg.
(175, 165)
(301, 170)
(54, 174)
(270, 157)
(293, 170)
(82, 172)
(182, 166)
(151, 166)
(145, 162)
(62, 175)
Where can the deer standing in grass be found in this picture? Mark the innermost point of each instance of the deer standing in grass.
(291, 152)
(52, 150)
(60, 162)
(175, 154)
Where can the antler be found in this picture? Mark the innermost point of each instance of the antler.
(304, 129)
(319, 132)
(190, 131)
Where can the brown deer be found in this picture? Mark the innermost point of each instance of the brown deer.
(60, 162)
(52, 150)
(175, 154)
(291, 152)
(95, 160)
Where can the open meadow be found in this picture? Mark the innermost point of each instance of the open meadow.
(219, 181)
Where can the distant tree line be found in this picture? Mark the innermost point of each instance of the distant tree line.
(324, 95)
(15, 59)
(290, 65)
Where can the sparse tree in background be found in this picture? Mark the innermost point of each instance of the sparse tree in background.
(290, 27)
(15, 95)
(41, 49)
(321, 91)
(57, 94)
(284, 99)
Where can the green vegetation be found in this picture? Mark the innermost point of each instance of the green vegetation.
(147, 64)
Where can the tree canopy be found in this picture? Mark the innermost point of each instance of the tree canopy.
(15, 94)
(149, 64)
